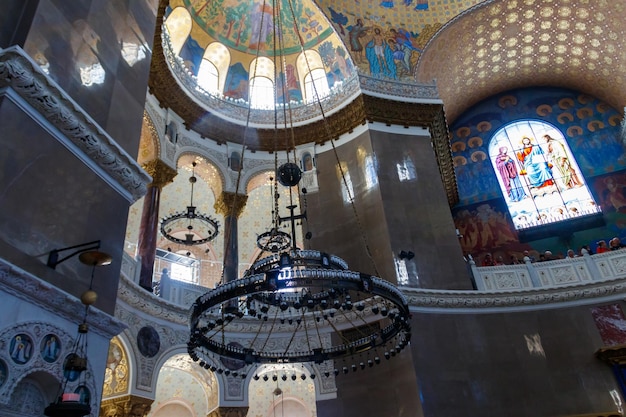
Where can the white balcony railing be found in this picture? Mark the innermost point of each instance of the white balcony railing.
(570, 271)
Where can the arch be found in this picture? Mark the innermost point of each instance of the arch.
(175, 370)
(538, 175)
(176, 408)
(312, 76)
(262, 95)
(149, 142)
(178, 25)
(308, 61)
(218, 55)
(208, 77)
(119, 369)
(211, 171)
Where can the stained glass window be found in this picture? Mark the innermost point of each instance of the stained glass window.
(538, 175)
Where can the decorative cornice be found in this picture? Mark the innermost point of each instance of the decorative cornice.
(612, 355)
(229, 412)
(19, 73)
(531, 299)
(229, 204)
(128, 405)
(429, 116)
(161, 173)
(27, 287)
(138, 298)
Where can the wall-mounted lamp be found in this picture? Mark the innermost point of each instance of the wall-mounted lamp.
(83, 248)
(406, 255)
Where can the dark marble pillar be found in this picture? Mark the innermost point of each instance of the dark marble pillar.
(231, 205)
(162, 174)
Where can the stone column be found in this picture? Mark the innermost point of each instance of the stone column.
(126, 406)
(230, 205)
(229, 412)
(162, 174)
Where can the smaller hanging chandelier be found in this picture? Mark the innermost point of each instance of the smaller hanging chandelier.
(198, 228)
(69, 401)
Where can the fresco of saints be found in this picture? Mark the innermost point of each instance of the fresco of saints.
(262, 25)
(510, 177)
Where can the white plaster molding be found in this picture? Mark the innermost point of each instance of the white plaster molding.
(19, 74)
(25, 286)
(476, 302)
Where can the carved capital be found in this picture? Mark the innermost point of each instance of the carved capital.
(230, 204)
(126, 406)
(229, 412)
(161, 173)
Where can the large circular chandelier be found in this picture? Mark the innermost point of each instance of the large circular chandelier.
(300, 306)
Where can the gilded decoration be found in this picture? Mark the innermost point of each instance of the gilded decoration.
(161, 173)
(149, 143)
(230, 204)
(126, 406)
(518, 43)
(229, 412)
(117, 371)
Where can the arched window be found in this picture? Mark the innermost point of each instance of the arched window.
(178, 25)
(315, 86)
(213, 68)
(538, 175)
(262, 83)
(313, 76)
(208, 77)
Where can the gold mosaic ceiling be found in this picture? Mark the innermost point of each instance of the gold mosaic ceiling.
(502, 45)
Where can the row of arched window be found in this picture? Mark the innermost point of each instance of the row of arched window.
(264, 89)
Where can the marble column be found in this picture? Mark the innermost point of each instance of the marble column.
(126, 406)
(162, 174)
(231, 205)
(229, 412)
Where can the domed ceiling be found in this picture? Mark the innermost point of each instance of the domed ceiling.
(469, 49)
(281, 41)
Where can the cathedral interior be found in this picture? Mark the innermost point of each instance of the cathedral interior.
(170, 169)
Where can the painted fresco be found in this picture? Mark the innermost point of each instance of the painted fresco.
(587, 131)
(248, 26)
(611, 324)
(386, 38)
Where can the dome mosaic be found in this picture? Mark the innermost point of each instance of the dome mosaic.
(244, 59)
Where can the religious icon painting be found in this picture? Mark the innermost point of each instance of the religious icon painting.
(69, 373)
(84, 394)
(21, 348)
(50, 348)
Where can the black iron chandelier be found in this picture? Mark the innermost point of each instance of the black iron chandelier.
(297, 306)
(198, 228)
(300, 306)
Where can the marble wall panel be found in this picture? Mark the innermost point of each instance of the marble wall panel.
(346, 234)
(49, 199)
(538, 363)
(417, 213)
(94, 49)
